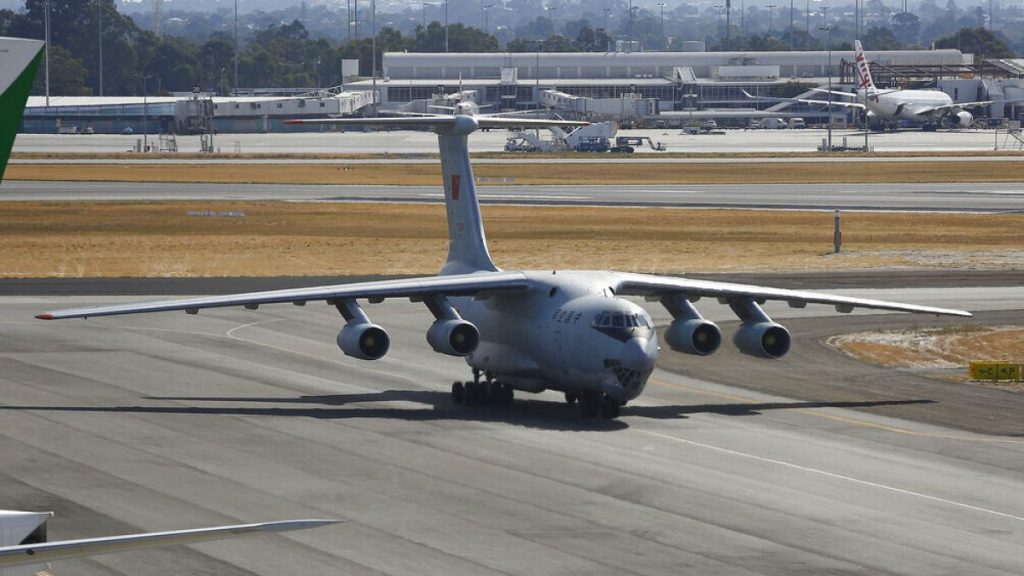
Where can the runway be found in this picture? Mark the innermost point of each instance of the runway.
(170, 420)
(958, 197)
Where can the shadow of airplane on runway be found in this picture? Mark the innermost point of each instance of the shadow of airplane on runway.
(539, 414)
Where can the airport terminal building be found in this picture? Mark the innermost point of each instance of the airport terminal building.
(641, 88)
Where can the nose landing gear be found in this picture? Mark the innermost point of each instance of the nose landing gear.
(482, 392)
(593, 403)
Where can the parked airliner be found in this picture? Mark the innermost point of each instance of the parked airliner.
(888, 107)
(24, 549)
(565, 330)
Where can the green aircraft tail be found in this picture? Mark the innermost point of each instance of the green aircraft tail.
(16, 86)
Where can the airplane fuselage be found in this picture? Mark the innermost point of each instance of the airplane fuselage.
(905, 104)
(568, 332)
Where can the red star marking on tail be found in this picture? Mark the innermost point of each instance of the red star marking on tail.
(455, 186)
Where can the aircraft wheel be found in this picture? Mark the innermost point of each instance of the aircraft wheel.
(458, 392)
(507, 395)
(610, 408)
(472, 396)
(590, 404)
(571, 397)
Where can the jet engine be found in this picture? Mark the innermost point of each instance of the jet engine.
(763, 339)
(961, 119)
(693, 336)
(364, 341)
(453, 336)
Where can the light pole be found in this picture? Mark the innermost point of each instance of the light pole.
(99, 20)
(728, 23)
(46, 32)
(487, 8)
(662, 6)
(607, 48)
(771, 9)
(792, 30)
(373, 54)
(829, 29)
(236, 48)
(145, 112)
(630, 15)
(720, 45)
(445, 26)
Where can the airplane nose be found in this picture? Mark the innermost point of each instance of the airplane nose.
(635, 355)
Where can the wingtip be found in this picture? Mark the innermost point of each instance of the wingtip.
(44, 316)
(285, 525)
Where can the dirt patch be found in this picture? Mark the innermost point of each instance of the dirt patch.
(940, 352)
(404, 174)
(162, 239)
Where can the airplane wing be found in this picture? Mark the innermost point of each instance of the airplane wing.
(826, 102)
(835, 92)
(651, 285)
(450, 285)
(27, 554)
(804, 100)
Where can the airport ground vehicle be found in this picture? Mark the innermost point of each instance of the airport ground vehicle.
(774, 123)
(797, 123)
(628, 144)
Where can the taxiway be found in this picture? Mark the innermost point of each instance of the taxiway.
(958, 197)
(168, 420)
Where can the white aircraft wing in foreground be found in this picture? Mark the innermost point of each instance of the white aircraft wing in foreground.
(43, 552)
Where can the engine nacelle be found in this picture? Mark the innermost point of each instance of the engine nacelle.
(962, 119)
(762, 339)
(454, 337)
(364, 341)
(693, 336)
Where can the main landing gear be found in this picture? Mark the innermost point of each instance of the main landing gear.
(482, 392)
(593, 403)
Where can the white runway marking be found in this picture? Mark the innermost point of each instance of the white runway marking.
(828, 474)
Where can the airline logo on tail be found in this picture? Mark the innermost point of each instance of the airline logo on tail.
(18, 64)
(864, 73)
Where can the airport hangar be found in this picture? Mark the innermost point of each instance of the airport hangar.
(645, 88)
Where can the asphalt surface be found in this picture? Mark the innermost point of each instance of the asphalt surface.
(961, 197)
(170, 420)
(415, 142)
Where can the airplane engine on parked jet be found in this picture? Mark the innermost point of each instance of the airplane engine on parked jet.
(693, 336)
(364, 341)
(763, 339)
(454, 337)
(962, 119)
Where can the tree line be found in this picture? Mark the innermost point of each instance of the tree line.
(288, 55)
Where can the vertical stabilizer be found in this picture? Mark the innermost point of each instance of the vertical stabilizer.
(19, 60)
(467, 245)
(864, 81)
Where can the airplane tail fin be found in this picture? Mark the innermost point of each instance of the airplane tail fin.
(17, 71)
(467, 243)
(864, 81)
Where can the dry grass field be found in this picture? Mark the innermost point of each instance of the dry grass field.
(944, 352)
(398, 173)
(118, 239)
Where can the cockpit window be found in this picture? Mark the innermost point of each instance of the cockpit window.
(617, 320)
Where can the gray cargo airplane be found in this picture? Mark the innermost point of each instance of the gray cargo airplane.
(565, 330)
